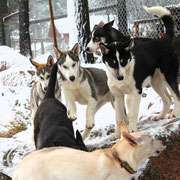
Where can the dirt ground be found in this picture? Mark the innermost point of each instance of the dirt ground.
(167, 165)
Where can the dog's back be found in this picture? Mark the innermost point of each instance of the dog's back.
(99, 78)
(118, 162)
(159, 53)
(52, 126)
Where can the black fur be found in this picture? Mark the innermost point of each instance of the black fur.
(113, 35)
(148, 56)
(52, 127)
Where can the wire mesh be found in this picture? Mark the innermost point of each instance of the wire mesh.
(130, 17)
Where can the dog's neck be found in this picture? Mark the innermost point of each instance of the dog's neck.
(117, 36)
(125, 156)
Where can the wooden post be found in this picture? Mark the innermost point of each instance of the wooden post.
(52, 24)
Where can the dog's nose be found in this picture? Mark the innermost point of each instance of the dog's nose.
(120, 78)
(87, 50)
(45, 88)
(72, 78)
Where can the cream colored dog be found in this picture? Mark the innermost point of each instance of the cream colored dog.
(118, 162)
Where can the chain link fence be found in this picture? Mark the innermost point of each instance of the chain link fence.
(130, 17)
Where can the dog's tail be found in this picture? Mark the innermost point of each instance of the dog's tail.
(50, 93)
(166, 17)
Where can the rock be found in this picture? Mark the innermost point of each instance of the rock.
(4, 176)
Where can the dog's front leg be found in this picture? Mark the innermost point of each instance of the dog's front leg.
(120, 114)
(71, 106)
(90, 112)
(33, 112)
(133, 111)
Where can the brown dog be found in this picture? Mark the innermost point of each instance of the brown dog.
(118, 162)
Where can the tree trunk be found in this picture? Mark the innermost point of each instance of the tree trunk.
(3, 12)
(25, 42)
(122, 16)
(83, 27)
(2, 35)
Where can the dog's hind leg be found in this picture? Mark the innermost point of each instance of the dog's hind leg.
(159, 86)
(176, 110)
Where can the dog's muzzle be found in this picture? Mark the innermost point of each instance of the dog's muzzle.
(72, 78)
(120, 78)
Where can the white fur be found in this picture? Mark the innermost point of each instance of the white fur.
(44, 80)
(119, 89)
(157, 10)
(80, 91)
(71, 71)
(94, 46)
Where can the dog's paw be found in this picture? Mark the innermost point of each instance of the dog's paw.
(173, 114)
(90, 125)
(157, 118)
(72, 116)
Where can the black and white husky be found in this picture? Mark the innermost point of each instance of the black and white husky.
(129, 68)
(86, 86)
(107, 34)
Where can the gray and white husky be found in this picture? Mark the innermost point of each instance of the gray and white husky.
(39, 88)
(86, 86)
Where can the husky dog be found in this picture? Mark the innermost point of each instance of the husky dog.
(116, 163)
(130, 68)
(107, 34)
(38, 90)
(51, 124)
(85, 85)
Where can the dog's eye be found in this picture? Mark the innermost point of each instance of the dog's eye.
(48, 77)
(96, 39)
(65, 67)
(42, 78)
(74, 65)
(114, 61)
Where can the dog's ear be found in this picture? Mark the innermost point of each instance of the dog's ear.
(123, 128)
(128, 45)
(95, 27)
(50, 61)
(79, 142)
(75, 49)
(108, 26)
(78, 137)
(130, 139)
(34, 63)
(103, 48)
(57, 52)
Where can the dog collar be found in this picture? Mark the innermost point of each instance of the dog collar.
(126, 166)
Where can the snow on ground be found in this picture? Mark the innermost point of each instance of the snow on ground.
(15, 86)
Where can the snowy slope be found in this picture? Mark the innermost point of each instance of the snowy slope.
(15, 89)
